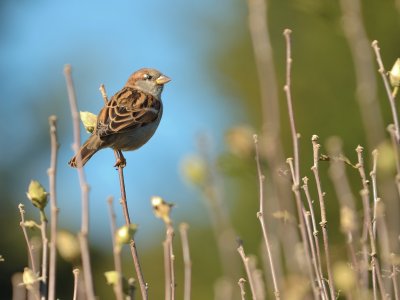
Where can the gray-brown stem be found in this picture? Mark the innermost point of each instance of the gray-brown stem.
(83, 235)
(52, 171)
(324, 221)
(183, 229)
(260, 216)
(116, 251)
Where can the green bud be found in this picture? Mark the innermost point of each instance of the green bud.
(29, 278)
(31, 224)
(37, 194)
(394, 74)
(387, 158)
(161, 209)
(344, 277)
(125, 233)
(194, 169)
(240, 141)
(68, 246)
(112, 279)
(284, 216)
(89, 120)
(348, 220)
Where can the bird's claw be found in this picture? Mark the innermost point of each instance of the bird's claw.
(121, 162)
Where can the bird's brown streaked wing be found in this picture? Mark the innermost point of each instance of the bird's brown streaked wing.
(127, 109)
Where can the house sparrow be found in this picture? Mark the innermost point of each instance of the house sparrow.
(129, 119)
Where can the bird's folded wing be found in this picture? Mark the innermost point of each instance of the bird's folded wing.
(127, 110)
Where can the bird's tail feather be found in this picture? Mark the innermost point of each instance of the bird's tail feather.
(87, 150)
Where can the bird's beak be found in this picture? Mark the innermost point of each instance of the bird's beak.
(163, 79)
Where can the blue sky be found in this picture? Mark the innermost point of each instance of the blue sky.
(105, 43)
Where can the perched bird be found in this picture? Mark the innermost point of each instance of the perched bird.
(129, 119)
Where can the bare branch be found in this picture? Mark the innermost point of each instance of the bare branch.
(241, 283)
(250, 278)
(120, 164)
(387, 88)
(76, 283)
(183, 229)
(83, 235)
(52, 171)
(260, 216)
(116, 251)
(28, 242)
(324, 221)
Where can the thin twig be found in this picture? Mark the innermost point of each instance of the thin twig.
(393, 276)
(76, 282)
(384, 295)
(287, 89)
(83, 235)
(392, 132)
(294, 168)
(324, 221)
(250, 278)
(162, 210)
(321, 292)
(52, 171)
(376, 270)
(183, 229)
(167, 271)
(241, 283)
(387, 88)
(365, 182)
(378, 221)
(116, 251)
(135, 257)
(169, 256)
(260, 216)
(367, 216)
(374, 190)
(314, 242)
(29, 246)
(45, 251)
(124, 204)
(374, 278)
(302, 225)
(170, 234)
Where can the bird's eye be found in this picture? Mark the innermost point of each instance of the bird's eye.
(147, 77)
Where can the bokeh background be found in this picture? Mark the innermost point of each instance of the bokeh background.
(205, 47)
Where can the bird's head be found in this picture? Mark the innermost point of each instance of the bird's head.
(148, 80)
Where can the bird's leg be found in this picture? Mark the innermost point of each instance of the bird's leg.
(121, 161)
